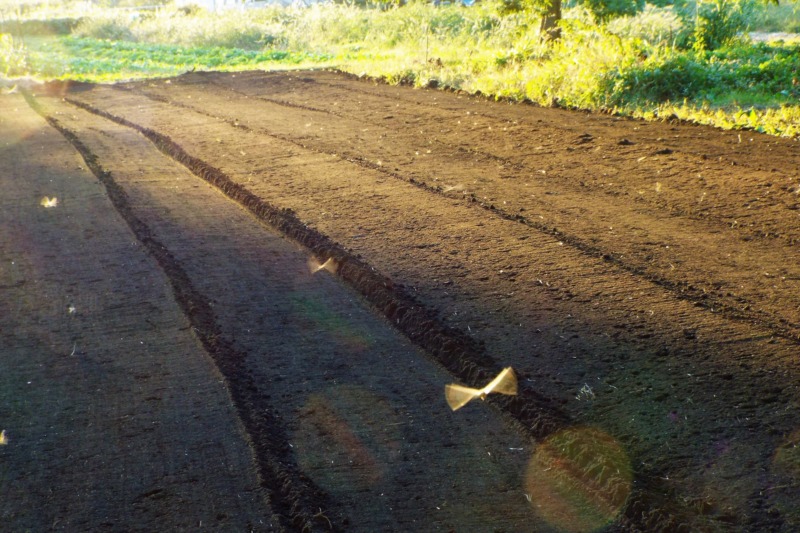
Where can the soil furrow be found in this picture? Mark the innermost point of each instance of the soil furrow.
(322, 203)
(457, 352)
(703, 406)
(367, 417)
(562, 130)
(292, 496)
(687, 316)
(652, 506)
(729, 288)
(113, 416)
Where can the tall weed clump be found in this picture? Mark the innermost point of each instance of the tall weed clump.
(606, 10)
(783, 17)
(187, 27)
(655, 26)
(738, 75)
(106, 26)
(720, 22)
(326, 27)
(13, 58)
(579, 69)
(417, 43)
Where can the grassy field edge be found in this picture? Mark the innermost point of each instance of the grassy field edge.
(631, 66)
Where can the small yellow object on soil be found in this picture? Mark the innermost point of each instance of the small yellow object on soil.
(458, 395)
(49, 202)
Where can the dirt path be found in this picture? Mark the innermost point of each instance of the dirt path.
(642, 279)
(114, 415)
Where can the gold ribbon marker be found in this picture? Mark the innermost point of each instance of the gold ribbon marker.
(330, 265)
(458, 396)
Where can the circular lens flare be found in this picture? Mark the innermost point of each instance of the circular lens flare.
(579, 479)
(347, 438)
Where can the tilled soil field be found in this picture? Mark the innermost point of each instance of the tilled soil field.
(172, 359)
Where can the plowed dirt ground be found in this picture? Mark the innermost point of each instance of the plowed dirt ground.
(170, 361)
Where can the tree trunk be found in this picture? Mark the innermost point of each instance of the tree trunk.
(550, 30)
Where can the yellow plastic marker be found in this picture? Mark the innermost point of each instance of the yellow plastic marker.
(330, 265)
(458, 396)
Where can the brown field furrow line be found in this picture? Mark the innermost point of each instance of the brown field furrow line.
(292, 497)
(327, 199)
(513, 127)
(457, 352)
(97, 434)
(644, 172)
(642, 512)
(473, 236)
(738, 146)
(647, 158)
(666, 258)
(301, 343)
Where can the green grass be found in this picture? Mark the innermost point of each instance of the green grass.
(784, 17)
(639, 66)
(88, 59)
(760, 75)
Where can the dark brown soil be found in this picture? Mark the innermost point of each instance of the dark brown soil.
(169, 361)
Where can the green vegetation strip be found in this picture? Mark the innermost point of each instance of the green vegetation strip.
(95, 60)
(660, 63)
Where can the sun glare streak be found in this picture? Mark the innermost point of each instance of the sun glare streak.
(458, 396)
(49, 202)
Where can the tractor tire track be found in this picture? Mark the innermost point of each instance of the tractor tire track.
(292, 496)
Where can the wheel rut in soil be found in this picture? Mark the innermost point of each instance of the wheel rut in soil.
(313, 509)
(652, 506)
(592, 292)
(292, 496)
(113, 416)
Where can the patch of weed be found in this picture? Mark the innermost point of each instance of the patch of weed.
(96, 60)
(653, 63)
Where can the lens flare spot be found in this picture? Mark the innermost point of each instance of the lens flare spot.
(787, 456)
(317, 315)
(347, 438)
(579, 479)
